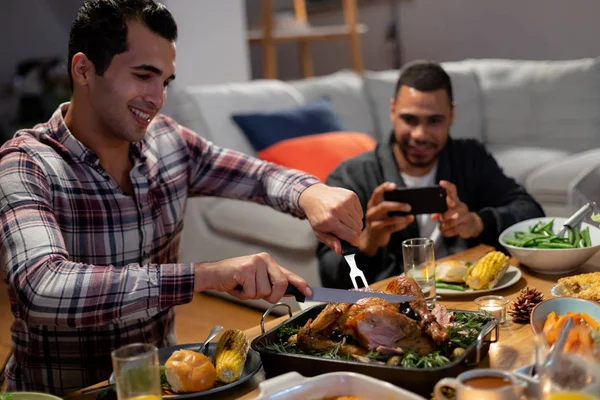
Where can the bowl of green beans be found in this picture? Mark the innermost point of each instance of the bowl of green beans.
(536, 244)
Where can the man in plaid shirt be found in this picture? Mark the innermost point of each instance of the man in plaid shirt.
(92, 206)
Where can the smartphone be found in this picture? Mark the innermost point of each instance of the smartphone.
(422, 200)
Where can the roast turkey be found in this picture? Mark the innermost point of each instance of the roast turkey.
(374, 325)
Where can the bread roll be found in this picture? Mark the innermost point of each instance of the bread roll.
(451, 271)
(189, 371)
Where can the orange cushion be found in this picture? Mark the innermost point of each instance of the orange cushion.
(318, 154)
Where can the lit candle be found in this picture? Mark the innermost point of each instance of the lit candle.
(496, 305)
(496, 310)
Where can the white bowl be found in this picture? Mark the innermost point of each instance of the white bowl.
(550, 261)
(293, 386)
(32, 396)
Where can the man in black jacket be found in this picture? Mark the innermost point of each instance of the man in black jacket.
(481, 200)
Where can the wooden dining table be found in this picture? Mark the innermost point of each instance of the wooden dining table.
(514, 349)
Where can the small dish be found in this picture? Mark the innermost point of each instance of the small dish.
(559, 291)
(527, 374)
(561, 306)
(585, 286)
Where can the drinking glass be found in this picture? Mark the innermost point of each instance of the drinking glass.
(136, 372)
(568, 375)
(419, 264)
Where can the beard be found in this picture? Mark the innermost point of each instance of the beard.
(429, 149)
(114, 117)
(119, 124)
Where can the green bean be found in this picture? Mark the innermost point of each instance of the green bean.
(532, 229)
(577, 237)
(547, 227)
(541, 236)
(444, 285)
(528, 242)
(512, 242)
(587, 240)
(571, 236)
(551, 245)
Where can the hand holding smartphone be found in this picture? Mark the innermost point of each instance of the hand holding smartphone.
(422, 200)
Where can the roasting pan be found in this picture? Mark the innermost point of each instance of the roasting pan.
(420, 380)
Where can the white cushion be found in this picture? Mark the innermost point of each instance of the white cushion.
(217, 103)
(519, 162)
(585, 187)
(180, 105)
(344, 89)
(551, 183)
(260, 224)
(379, 87)
(553, 104)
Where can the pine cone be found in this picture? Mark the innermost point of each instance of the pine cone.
(522, 306)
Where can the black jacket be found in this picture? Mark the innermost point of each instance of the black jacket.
(481, 185)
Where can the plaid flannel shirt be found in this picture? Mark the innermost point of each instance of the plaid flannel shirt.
(89, 268)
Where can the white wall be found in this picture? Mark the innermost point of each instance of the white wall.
(447, 30)
(531, 29)
(211, 47)
(212, 41)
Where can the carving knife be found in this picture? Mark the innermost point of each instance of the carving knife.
(344, 296)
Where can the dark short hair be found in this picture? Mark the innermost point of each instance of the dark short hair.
(100, 28)
(425, 76)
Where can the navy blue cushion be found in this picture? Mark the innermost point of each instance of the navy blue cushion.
(268, 128)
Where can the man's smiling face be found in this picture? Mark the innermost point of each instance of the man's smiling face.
(132, 90)
(421, 124)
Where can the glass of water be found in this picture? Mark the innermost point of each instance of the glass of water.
(572, 375)
(137, 373)
(419, 264)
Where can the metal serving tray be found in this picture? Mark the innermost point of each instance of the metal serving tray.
(420, 380)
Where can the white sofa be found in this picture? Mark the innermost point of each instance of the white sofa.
(540, 119)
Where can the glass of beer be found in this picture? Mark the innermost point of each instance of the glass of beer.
(419, 264)
(137, 372)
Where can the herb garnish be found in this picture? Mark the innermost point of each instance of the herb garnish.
(466, 327)
(164, 382)
(464, 331)
(285, 332)
(412, 360)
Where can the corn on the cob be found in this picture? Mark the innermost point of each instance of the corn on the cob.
(486, 272)
(230, 356)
